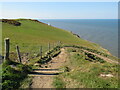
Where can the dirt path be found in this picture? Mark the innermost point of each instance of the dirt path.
(59, 60)
(102, 57)
(44, 79)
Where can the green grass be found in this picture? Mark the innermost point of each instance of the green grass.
(26, 83)
(86, 74)
(30, 35)
(13, 75)
(58, 83)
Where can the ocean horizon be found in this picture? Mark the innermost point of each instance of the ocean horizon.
(101, 31)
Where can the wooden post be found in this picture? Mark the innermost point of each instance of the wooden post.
(53, 45)
(49, 49)
(59, 42)
(7, 48)
(18, 53)
(40, 52)
(48, 46)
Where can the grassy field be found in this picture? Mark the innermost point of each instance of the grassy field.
(30, 35)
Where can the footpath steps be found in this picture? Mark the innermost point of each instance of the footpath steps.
(44, 72)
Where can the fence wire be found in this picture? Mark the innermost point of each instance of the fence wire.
(29, 52)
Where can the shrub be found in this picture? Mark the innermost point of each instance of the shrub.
(13, 22)
(13, 76)
(92, 57)
(9, 69)
(8, 84)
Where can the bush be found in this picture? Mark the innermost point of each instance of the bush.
(12, 76)
(9, 62)
(92, 57)
(13, 22)
(9, 69)
(8, 84)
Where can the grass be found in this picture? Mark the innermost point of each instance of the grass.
(13, 74)
(58, 83)
(26, 83)
(30, 35)
(86, 74)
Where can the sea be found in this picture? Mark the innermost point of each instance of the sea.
(101, 31)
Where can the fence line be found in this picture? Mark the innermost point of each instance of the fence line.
(29, 54)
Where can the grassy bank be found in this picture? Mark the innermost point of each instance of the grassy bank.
(84, 72)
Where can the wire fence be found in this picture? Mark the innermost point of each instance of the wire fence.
(27, 52)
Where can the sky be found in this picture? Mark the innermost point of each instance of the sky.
(60, 10)
(59, 0)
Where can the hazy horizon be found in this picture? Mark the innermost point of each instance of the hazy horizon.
(60, 10)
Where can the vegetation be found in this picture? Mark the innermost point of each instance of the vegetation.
(82, 69)
(93, 50)
(13, 73)
(82, 73)
(50, 54)
(30, 35)
(12, 22)
(58, 83)
(94, 58)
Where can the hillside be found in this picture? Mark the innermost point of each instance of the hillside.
(82, 64)
(34, 33)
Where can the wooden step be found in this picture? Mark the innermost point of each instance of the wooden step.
(46, 69)
(42, 74)
(39, 71)
(35, 75)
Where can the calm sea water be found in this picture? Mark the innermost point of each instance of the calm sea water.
(101, 31)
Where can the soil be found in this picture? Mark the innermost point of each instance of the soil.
(44, 79)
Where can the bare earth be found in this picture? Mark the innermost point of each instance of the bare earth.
(45, 81)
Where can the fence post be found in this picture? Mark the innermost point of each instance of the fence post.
(7, 48)
(59, 43)
(18, 53)
(49, 47)
(53, 45)
(40, 52)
